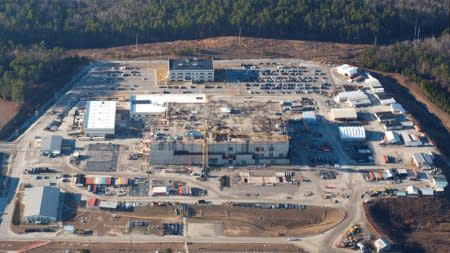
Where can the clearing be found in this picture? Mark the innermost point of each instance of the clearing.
(415, 226)
(8, 110)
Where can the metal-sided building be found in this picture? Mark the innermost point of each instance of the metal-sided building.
(51, 145)
(100, 118)
(41, 204)
(143, 107)
(191, 70)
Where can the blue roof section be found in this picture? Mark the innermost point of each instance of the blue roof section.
(134, 102)
(49, 202)
(86, 116)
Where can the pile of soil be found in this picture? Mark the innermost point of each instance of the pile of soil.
(231, 47)
(414, 225)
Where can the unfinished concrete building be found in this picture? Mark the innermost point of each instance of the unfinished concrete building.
(231, 132)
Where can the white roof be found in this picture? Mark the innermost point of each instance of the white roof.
(372, 82)
(412, 190)
(159, 189)
(309, 115)
(156, 103)
(348, 70)
(351, 95)
(108, 204)
(41, 201)
(427, 191)
(396, 107)
(100, 115)
(381, 244)
(346, 113)
(392, 136)
(352, 132)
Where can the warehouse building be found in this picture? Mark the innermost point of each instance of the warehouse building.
(345, 114)
(352, 133)
(144, 107)
(41, 204)
(439, 182)
(51, 145)
(354, 98)
(384, 98)
(100, 118)
(392, 137)
(347, 70)
(397, 108)
(423, 161)
(245, 135)
(197, 70)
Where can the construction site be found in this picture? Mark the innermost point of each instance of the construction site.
(262, 152)
(223, 131)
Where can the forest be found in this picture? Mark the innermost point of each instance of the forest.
(425, 61)
(104, 23)
(24, 68)
(34, 32)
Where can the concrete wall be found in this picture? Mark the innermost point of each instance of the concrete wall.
(220, 154)
(188, 75)
(98, 132)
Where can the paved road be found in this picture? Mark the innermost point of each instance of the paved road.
(324, 242)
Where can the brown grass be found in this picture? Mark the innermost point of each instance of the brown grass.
(8, 110)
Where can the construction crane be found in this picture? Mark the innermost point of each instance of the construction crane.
(205, 157)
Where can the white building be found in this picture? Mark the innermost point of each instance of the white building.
(352, 133)
(41, 204)
(392, 137)
(397, 108)
(143, 107)
(353, 98)
(343, 114)
(382, 245)
(191, 70)
(100, 118)
(411, 140)
(373, 83)
(347, 70)
(423, 160)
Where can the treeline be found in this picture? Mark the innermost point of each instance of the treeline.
(102, 23)
(425, 61)
(30, 71)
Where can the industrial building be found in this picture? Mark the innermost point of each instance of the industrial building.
(384, 98)
(219, 133)
(343, 114)
(373, 83)
(347, 70)
(100, 118)
(392, 137)
(198, 70)
(354, 98)
(397, 108)
(51, 145)
(439, 182)
(143, 107)
(41, 204)
(352, 133)
(423, 160)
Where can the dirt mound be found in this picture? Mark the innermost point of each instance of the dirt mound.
(7, 111)
(231, 47)
(415, 225)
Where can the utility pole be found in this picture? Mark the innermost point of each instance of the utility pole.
(136, 41)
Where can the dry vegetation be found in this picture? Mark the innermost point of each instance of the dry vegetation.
(8, 110)
(231, 48)
(415, 226)
(239, 221)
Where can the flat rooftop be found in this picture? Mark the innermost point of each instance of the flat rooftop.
(190, 64)
(156, 103)
(230, 119)
(100, 115)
